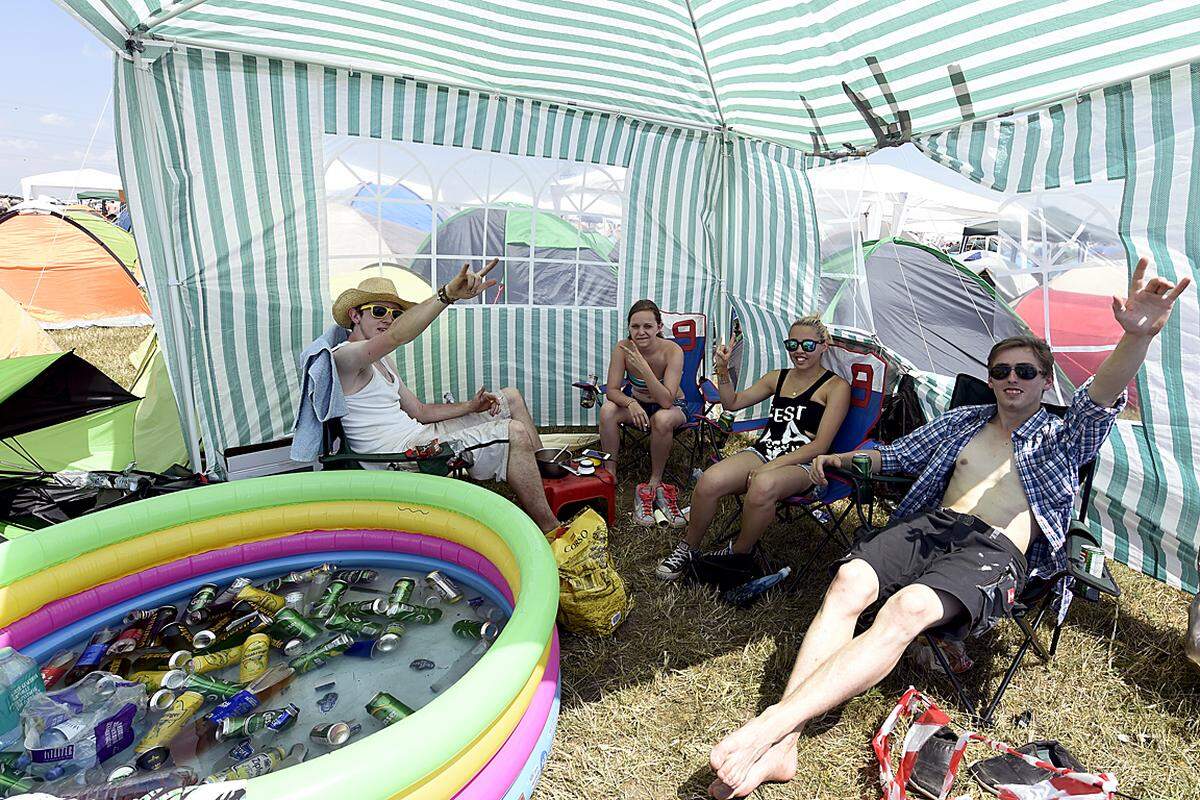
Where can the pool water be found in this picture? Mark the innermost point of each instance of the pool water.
(336, 692)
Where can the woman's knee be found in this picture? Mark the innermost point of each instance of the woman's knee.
(763, 488)
(854, 586)
(663, 423)
(609, 413)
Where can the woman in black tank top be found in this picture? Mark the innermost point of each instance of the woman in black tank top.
(808, 404)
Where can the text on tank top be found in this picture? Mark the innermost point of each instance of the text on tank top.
(792, 422)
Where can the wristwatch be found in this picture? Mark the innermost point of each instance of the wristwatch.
(444, 297)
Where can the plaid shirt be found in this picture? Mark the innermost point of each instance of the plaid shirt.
(1048, 452)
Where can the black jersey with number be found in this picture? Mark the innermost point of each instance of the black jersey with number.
(792, 422)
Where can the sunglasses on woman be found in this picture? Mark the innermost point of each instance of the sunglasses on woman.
(379, 312)
(807, 345)
(1025, 372)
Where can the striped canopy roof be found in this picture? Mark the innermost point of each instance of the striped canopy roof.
(769, 69)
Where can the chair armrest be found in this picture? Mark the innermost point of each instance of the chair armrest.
(1077, 564)
(709, 391)
(859, 482)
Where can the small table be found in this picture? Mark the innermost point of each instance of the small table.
(579, 490)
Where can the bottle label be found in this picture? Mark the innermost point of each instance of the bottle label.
(49, 755)
(115, 733)
(24, 689)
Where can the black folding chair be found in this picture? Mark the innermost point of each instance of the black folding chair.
(1037, 600)
(336, 453)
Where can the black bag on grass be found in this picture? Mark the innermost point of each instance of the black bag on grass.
(724, 571)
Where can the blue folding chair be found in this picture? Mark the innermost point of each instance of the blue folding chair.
(867, 373)
(689, 332)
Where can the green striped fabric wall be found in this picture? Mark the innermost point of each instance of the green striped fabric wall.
(219, 149)
(1147, 499)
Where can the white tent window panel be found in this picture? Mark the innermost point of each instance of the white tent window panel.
(554, 225)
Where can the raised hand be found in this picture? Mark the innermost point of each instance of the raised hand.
(721, 358)
(467, 284)
(634, 360)
(1149, 305)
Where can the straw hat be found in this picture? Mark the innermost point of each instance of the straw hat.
(371, 290)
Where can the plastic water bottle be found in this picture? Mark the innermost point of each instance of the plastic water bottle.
(750, 591)
(20, 680)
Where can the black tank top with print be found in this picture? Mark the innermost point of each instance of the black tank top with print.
(792, 422)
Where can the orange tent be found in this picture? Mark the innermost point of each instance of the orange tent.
(64, 274)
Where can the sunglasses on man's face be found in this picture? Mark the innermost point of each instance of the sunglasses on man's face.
(1025, 372)
(379, 312)
(807, 345)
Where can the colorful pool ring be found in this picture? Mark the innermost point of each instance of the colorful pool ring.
(72, 569)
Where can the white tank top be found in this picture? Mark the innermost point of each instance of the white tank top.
(374, 421)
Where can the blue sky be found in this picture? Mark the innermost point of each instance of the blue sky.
(55, 93)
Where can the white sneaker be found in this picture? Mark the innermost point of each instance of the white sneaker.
(673, 565)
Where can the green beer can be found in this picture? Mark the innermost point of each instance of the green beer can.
(406, 612)
(861, 464)
(387, 709)
(474, 629)
(329, 600)
(401, 591)
(291, 624)
(307, 662)
(377, 607)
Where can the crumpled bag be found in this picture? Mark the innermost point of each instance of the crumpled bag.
(592, 596)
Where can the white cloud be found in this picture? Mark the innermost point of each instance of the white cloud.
(56, 120)
(18, 145)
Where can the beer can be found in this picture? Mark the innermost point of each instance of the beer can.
(171, 723)
(861, 464)
(290, 579)
(725, 421)
(410, 613)
(475, 629)
(153, 759)
(162, 699)
(272, 720)
(357, 577)
(1093, 560)
(261, 763)
(387, 709)
(212, 689)
(294, 600)
(14, 783)
(121, 772)
(265, 602)
(204, 663)
(312, 572)
(241, 752)
(389, 638)
(54, 670)
(129, 638)
(334, 734)
(239, 705)
(329, 599)
(307, 662)
(377, 607)
(231, 591)
(402, 591)
(443, 586)
(197, 608)
(255, 657)
(151, 679)
(354, 625)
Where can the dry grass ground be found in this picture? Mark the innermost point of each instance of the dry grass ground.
(641, 709)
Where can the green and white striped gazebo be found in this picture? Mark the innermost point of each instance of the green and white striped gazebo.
(714, 110)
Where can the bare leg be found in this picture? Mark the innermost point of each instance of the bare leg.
(520, 412)
(853, 589)
(611, 418)
(726, 477)
(524, 478)
(856, 666)
(662, 436)
(766, 488)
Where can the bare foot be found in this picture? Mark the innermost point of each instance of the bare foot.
(777, 765)
(734, 756)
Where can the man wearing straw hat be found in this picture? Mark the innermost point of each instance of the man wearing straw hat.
(384, 416)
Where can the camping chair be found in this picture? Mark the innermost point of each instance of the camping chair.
(337, 454)
(1038, 597)
(689, 332)
(867, 375)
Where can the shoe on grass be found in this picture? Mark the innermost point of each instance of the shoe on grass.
(643, 505)
(666, 500)
(673, 565)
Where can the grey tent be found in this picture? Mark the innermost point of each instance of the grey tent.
(571, 267)
(920, 303)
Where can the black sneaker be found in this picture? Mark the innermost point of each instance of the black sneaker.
(673, 565)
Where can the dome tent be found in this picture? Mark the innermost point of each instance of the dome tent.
(715, 110)
(70, 269)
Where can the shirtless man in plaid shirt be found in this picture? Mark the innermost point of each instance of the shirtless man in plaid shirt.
(990, 508)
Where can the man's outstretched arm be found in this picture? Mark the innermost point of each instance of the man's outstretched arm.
(1141, 316)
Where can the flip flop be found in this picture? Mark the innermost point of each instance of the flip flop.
(1008, 770)
(932, 764)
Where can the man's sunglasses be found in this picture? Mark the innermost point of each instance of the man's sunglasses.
(1025, 372)
(379, 312)
(807, 345)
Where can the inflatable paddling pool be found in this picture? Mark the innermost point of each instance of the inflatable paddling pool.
(486, 736)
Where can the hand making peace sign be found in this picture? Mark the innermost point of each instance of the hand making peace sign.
(1149, 305)
(467, 284)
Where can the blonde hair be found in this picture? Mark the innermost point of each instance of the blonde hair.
(812, 321)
